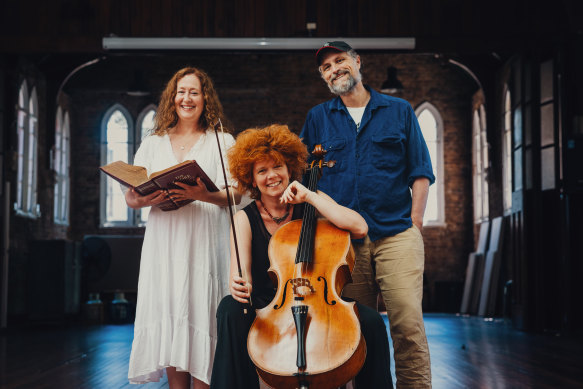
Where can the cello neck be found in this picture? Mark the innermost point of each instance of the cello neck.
(306, 240)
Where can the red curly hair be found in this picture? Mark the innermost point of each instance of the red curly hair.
(256, 144)
(166, 116)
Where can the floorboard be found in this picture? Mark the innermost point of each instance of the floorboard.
(466, 352)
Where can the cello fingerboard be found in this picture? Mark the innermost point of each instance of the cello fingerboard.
(307, 233)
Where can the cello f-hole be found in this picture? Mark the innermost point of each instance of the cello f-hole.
(283, 296)
(333, 302)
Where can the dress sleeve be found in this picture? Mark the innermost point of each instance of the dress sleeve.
(419, 161)
(142, 158)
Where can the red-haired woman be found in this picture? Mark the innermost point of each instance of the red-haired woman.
(184, 269)
(267, 163)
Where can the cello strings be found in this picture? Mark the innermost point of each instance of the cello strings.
(306, 246)
(310, 211)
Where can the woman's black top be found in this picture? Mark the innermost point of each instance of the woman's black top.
(263, 289)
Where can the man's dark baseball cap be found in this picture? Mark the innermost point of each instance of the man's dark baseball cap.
(335, 45)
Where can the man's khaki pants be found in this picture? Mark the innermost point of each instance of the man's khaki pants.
(395, 265)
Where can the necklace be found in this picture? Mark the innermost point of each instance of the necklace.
(189, 140)
(279, 219)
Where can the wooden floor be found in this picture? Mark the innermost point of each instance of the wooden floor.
(466, 352)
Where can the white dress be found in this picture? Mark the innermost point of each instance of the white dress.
(184, 272)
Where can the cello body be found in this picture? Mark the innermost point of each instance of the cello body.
(333, 346)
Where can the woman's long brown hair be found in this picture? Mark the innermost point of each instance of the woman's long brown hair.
(166, 117)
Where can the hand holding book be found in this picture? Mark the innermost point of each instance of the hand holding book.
(137, 201)
(185, 176)
(189, 192)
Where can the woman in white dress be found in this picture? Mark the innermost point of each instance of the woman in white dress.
(184, 269)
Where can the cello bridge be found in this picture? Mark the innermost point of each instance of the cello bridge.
(302, 287)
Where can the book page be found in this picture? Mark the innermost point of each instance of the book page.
(128, 174)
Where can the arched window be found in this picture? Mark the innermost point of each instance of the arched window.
(432, 127)
(507, 154)
(27, 134)
(61, 166)
(145, 123)
(144, 128)
(22, 131)
(480, 159)
(117, 144)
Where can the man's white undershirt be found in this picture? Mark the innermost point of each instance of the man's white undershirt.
(356, 114)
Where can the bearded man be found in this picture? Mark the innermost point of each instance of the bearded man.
(382, 171)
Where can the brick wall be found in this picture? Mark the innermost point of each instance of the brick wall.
(449, 89)
(23, 230)
(257, 89)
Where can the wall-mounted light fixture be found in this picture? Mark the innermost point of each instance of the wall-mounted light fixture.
(392, 84)
(118, 43)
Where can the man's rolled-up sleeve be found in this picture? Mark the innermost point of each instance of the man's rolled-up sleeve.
(419, 161)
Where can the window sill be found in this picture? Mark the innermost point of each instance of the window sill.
(27, 215)
(434, 224)
(120, 225)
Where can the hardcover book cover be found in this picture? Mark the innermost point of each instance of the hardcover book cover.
(136, 177)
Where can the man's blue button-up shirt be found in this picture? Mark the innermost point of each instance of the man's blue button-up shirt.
(376, 164)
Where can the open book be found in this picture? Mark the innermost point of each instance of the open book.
(136, 177)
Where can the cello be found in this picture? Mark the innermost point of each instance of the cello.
(308, 337)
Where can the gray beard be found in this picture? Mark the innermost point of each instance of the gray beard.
(345, 87)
